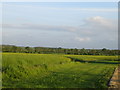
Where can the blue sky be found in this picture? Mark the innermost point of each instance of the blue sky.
(69, 4)
(67, 25)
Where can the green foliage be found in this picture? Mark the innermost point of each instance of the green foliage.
(47, 50)
(23, 70)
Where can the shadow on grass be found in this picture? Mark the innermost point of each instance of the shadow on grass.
(100, 61)
(68, 80)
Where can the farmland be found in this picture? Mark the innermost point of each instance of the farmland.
(25, 70)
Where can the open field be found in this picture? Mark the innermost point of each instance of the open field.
(21, 70)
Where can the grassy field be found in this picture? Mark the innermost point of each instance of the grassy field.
(21, 70)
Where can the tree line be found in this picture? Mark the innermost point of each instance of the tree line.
(59, 50)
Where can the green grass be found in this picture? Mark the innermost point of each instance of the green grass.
(55, 71)
(95, 58)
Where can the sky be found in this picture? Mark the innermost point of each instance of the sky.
(60, 24)
(59, 0)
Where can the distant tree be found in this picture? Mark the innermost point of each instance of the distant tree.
(104, 49)
(27, 49)
(14, 49)
(47, 50)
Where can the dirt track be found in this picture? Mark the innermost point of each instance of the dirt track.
(115, 80)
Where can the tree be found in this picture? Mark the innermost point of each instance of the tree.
(27, 49)
(104, 49)
(14, 49)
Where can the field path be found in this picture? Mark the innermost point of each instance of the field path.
(115, 80)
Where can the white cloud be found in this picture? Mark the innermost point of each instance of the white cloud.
(94, 26)
(101, 21)
(101, 25)
(39, 27)
(97, 31)
(91, 25)
(82, 39)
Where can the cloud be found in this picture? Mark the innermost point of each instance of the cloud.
(82, 39)
(39, 27)
(100, 25)
(91, 26)
(98, 29)
(100, 21)
(96, 32)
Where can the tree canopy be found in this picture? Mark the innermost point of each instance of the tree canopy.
(59, 50)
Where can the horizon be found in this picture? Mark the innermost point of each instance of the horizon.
(66, 25)
(62, 47)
